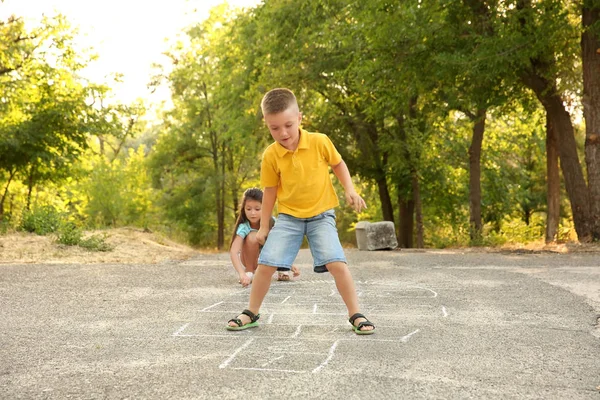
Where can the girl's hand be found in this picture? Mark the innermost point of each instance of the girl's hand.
(355, 201)
(245, 279)
(261, 235)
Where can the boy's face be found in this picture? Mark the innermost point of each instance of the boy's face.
(285, 127)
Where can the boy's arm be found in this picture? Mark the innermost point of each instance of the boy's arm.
(341, 171)
(268, 203)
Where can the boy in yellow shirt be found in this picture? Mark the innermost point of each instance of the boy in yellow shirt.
(295, 173)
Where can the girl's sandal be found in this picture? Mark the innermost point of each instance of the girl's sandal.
(283, 276)
(358, 328)
(240, 325)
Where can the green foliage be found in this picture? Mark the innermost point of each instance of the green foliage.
(71, 235)
(208, 150)
(49, 115)
(346, 217)
(47, 220)
(119, 192)
(394, 84)
(440, 233)
(4, 224)
(189, 207)
(43, 127)
(516, 231)
(96, 243)
(42, 220)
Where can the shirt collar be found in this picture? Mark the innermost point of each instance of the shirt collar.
(302, 144)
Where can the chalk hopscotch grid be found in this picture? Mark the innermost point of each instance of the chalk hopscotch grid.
(290, 293)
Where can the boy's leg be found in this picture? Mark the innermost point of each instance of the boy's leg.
(260, 288)
(345, 286)
(327, 250)
(280, 250)
(250, 250)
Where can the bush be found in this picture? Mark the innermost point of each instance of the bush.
(71, 235)
(96, 243)
(4, 224)
(42, 221)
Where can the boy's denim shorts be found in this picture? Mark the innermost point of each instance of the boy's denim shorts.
(284, 241)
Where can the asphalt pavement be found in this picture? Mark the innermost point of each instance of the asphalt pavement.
(450, 325)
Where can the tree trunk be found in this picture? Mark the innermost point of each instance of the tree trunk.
(406, 201)
(221, 210)
(475, 224)
(386, 201)
(5, 194)
(405, 207)
(234, 187)
(379, 160)
(553, 183)
(218, 190)
(577, 190)
(30, 183)
(590, 45)
(418, 210)
(235, 200)
(405, 232)
(218, 167)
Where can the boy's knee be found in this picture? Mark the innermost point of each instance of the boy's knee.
(337, 266)
(265, 271)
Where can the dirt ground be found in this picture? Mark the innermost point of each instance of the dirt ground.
(133, 246)
(130, 246)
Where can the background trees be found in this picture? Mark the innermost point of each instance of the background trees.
(51, 120)
(453, 116)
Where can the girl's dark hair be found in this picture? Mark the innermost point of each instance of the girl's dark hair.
(249, 194)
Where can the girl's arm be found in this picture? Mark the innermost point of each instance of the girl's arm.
(234, 253)
(268, 203)
(341, 171)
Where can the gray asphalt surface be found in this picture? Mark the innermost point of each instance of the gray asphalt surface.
(450, 325)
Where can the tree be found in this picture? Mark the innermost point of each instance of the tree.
(540, 73)
(42, 126)
(213, 118)
(590, 54)
(17, 45)
(531, 42)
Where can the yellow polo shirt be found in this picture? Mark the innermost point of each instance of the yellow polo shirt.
(304, 187)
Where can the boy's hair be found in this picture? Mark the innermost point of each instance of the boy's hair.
(249, 194)
(277, 100)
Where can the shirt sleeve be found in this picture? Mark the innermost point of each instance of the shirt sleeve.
(332, 156)
(243, 230)
(269, 176)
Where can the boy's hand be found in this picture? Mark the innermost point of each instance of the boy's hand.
(355, 201)
(261, 235)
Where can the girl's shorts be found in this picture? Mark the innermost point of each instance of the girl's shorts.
(284, 241)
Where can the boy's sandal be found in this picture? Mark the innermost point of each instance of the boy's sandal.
(240, 325)
(358, 328)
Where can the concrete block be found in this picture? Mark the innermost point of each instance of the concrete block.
(376, 235)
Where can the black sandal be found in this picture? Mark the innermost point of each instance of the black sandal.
(240, 326)
(357, 329)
